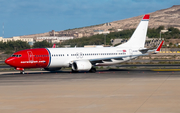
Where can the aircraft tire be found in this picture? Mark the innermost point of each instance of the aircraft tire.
(73, 71)
(22, 72)
(92, 70)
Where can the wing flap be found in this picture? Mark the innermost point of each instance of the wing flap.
(100, 60)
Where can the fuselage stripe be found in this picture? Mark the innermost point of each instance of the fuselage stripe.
(49, 57)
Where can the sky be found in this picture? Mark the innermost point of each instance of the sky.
(24, 17)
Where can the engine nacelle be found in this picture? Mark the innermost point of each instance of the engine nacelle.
(82, 65)
(52, 69)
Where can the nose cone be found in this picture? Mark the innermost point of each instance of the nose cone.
(9, 61)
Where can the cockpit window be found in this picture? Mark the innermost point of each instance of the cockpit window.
(16, 55)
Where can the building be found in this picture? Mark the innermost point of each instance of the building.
(28, 40)
(54, 39)
(118, 41)
(101, 32)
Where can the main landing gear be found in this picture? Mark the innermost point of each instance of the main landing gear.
(73, 71)
(92, 70)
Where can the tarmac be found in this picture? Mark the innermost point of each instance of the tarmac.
(106, 91)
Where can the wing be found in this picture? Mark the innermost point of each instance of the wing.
(109, 59)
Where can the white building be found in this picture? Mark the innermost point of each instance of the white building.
(28, 40)
(54, 39)
(101, 32)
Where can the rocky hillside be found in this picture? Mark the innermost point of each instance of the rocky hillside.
(165, 17)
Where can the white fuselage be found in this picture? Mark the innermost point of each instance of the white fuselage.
(63, 57)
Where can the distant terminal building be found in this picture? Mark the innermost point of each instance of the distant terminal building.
(101, 32)
(150, 42)
(54, 39)
(28, 40)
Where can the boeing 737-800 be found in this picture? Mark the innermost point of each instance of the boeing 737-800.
(83, 59)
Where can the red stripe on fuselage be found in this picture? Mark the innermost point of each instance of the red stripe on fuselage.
(30, 58)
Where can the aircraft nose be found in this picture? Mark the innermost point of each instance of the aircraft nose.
(9, 61)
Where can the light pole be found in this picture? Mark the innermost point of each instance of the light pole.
(160, 35)
(163, 31)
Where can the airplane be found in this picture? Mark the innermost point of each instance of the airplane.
(80, 58)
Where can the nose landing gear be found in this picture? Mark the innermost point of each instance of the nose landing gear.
(22, 72)
(20, 69)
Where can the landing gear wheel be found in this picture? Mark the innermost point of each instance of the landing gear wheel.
(22, 72)
(92, 70)
(73, 71)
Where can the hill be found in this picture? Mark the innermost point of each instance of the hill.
(169, 17)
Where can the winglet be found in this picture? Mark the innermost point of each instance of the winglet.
(54, 46)
(159, 47)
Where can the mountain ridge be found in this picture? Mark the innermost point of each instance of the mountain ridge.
(169, 17)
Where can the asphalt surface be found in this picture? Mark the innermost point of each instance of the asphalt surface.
(107, 91)
(126, 65)
(4, 66)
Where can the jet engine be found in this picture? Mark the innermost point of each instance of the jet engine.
(52, 69)
(83, 65)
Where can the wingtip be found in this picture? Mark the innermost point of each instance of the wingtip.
(159, 47)
(146, 16)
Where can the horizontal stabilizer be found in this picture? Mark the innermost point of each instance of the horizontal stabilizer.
(145, 50)
(155, 50)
